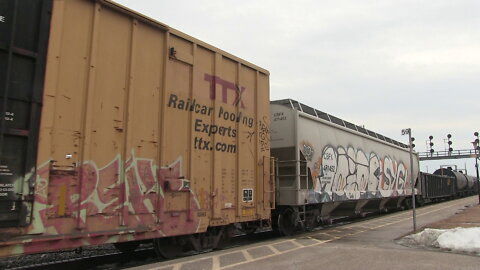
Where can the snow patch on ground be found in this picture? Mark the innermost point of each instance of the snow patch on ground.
(459, 240)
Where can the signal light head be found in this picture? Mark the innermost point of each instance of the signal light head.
(431, 137)
(475, 134)
(449, 136)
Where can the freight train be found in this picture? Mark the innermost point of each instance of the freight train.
(119, 129)
(330, 168)
(445, 184)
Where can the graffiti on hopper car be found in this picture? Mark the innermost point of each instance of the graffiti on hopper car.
(308, 151)
(351, 171)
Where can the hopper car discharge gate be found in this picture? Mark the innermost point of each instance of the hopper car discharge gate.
(24, 30)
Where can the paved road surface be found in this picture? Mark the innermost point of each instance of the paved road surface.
(364, 245)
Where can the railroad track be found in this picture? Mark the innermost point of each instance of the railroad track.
(108, 257)
(100, 257)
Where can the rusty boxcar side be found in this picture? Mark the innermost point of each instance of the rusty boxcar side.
(145, 132)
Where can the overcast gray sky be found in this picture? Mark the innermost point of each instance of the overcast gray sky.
(385, 64)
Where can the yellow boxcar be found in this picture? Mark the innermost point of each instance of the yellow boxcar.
(144, 133)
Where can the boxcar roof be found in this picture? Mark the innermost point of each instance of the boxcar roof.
(165, 27)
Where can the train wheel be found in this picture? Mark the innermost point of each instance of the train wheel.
(287, 221)
(167, 247)
(126, 247)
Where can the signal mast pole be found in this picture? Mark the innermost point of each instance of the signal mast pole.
(412, 179)
(476, 145)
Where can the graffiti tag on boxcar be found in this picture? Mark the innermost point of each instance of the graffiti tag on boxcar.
(144, 199)
(264, 134)
(250, 135)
